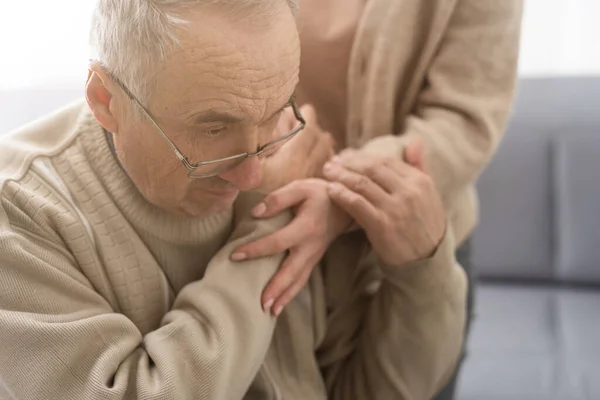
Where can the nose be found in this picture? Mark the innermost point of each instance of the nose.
(246, 176)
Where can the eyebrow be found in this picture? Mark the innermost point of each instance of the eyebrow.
(229, 118)
(215, 116)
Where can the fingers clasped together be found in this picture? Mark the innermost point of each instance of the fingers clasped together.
(394, 201)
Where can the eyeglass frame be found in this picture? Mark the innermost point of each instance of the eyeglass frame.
(242, 156)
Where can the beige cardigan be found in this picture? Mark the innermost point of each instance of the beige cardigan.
(443, 70)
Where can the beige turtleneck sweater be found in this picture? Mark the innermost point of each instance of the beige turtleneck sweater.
(105, 296)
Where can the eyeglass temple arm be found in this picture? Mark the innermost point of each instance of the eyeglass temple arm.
(175, 149)
(297, 113)
(177, 152)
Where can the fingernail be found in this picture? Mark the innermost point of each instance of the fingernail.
(239, 256)
(268, 304)
(259, 210)
(336, 159)
(278, 310)
(327, 167)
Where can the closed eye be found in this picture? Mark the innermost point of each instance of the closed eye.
(214, 131)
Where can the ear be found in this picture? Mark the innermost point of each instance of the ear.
(99, 99)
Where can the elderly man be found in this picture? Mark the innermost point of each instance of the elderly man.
(122, 220)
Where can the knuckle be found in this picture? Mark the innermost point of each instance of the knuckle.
(284, 279)
(388, 162)
(399, 214)
(361, 184)
(423, 180)
(372, 168)
(300, 186)
(290, 279)
(352, 199)
(412, 196)
(375, 166)
(299, 189)
(294, 284)
(277, 285)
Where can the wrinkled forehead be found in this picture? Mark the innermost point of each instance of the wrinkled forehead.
(231, 65)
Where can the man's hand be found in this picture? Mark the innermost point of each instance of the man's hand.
(317, 223)
(394, 201)
(302, 157)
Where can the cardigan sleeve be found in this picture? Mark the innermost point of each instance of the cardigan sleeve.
(462, 108)
(392, 333)
(60, 339)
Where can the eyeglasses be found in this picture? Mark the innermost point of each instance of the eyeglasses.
(208, 169)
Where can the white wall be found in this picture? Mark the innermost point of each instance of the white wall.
(561, 37)
(44, 50)
(44, 42)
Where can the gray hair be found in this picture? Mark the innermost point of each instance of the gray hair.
(129, 38)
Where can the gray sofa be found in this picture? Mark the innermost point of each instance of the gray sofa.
(537, 251)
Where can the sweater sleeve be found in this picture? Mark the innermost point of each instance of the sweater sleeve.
(398, 341)
(462, 108)
(59, 339)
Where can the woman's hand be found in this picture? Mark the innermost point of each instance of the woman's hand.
(317, 223)
(394, 201)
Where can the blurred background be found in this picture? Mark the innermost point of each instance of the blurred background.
(537, 251)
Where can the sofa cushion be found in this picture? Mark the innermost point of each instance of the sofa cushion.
(577, 193)
(540, 195)
(513, 237)
(531, 343)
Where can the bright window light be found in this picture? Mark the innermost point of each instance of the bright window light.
(44, 43)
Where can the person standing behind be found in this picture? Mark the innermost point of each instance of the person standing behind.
(379, 74)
